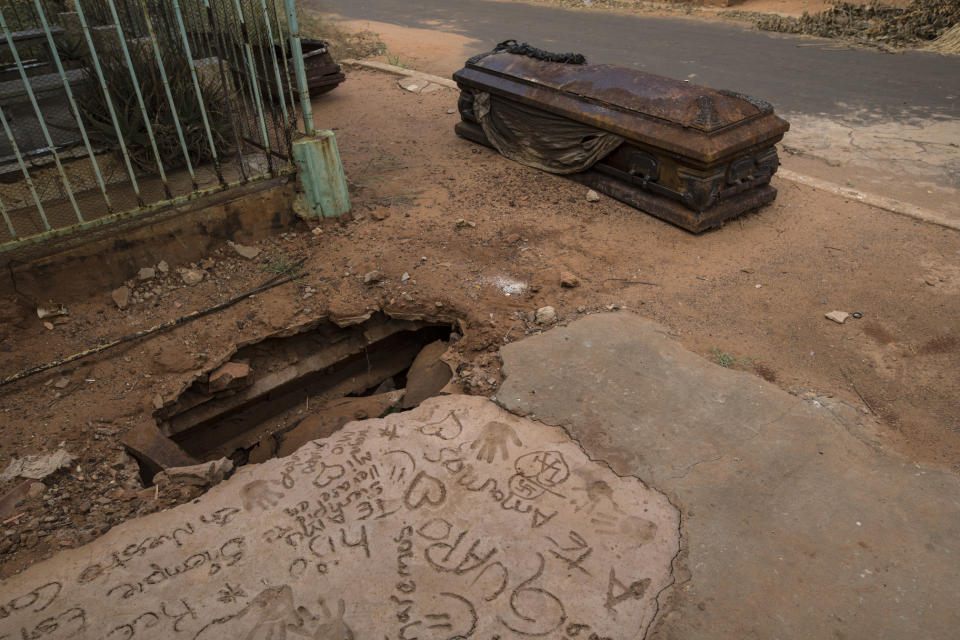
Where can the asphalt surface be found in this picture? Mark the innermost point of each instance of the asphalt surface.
(804, 79)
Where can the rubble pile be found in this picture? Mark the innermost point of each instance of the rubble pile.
(876, 24)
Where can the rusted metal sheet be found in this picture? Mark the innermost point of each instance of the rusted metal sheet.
(691, 155)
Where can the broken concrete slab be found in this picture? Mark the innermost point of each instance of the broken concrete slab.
(795, 525)
(452, 520)
(205, 474)
(37, 467)
(427, 375)
(153, 450)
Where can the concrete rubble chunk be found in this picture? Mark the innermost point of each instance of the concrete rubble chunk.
(427, 375)
(153, 450)
(37, 467)
(205, 474)
(121, 297)
(463, 517)
(414, 84)
(191, 277)
(231, 375)
(546, 315)
(244, 251)
(791, 517)
(838, 316)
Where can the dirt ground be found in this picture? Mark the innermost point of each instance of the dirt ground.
(468, 226)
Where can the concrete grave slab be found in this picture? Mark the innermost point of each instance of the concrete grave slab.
(454, 520)
(795, 524)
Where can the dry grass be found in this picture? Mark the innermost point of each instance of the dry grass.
(881, 25)
(949, 42)
(342, 43)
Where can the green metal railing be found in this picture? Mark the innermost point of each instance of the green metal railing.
(115, 108)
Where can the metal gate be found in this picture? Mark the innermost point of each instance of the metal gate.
(114, 108)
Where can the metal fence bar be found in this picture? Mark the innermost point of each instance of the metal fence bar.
(276, 70)
(297, 53)
(286, 66)
(258, 102)
(196, 87)
(39, 114)
(245, 81)
(118, 115)
(107, 98)
(55, 55)
(23, 168)
(6, 218)
(221, 65)
(166, 88)
(260, 61)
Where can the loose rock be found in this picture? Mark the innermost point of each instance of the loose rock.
(163, 267)
(121, 297)
(592, 196)
(146, 273)
(372, 277)
(569, 280)
(243, 251)
(838, 316)
(191, 277)
(546, 315)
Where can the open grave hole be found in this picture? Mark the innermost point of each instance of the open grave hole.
(274, 395)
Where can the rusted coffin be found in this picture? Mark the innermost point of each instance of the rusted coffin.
(690, 155)
(322, 71)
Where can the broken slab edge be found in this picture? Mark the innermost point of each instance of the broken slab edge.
(399, 71)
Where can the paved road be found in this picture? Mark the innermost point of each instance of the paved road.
(805, 79)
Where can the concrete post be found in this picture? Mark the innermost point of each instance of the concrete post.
(321, 176)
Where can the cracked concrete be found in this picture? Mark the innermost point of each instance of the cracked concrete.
(454, 520)
(795, 525)
(914, 159)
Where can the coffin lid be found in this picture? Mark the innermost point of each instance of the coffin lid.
(682, 103)
(701, 124)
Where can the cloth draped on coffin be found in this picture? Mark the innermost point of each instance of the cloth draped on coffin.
(539, 139)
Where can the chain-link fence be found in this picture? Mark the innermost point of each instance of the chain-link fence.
(113, 107)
